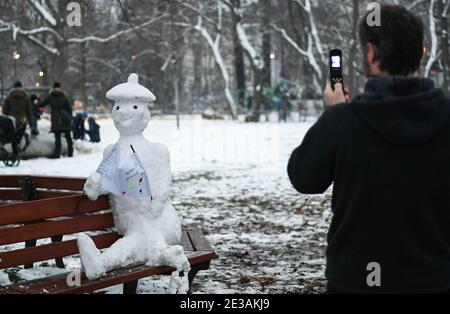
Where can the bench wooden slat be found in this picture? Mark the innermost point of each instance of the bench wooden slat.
(62, 183)
(186, 242)
(57, 284)
(55, 194)
(10, 194)
(55, 228)
(199, 241)
(51, 208)
(75, 184)
(51, 251)
(10, 181)
(16, 194)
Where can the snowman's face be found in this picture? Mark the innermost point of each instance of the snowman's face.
(130, 118)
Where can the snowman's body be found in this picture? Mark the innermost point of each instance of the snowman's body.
(150, 226)
(156, 214)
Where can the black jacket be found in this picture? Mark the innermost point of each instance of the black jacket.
(388, 155)
(94, 132)
(61, 111)
(18, 105)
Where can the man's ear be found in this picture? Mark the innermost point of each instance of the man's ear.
(371, 54)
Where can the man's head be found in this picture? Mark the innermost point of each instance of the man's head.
(395, 47)
(18, 84)
(56, 85)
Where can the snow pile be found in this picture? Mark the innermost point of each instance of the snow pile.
(43, 145)
(150, 226)
(85, 148)
(4, 279)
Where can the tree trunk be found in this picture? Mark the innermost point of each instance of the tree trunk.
(84, 92)
(445, 45)
(197, 52)
(176, 86)
(239, 63)
(352, 83)
(62, 59)
(267, 44)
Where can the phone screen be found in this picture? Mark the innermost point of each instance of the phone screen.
(336, 67)
(336, 61)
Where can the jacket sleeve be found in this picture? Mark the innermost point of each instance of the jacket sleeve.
(29, 108)
(68, 107)
(45, 102)
(6, 107)
(311, 166)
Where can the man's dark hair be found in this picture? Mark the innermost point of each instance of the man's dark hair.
(18, 84)
(56, 85)
(398, 41)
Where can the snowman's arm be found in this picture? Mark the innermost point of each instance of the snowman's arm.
(93, 187)
(162, 191)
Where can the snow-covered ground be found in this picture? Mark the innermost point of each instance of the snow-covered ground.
(230, 180)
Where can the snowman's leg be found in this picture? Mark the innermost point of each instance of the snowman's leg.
(123, 252)
(91, 257)
(174, 256)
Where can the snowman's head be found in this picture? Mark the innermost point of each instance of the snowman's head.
(130, 111)
(130, 117)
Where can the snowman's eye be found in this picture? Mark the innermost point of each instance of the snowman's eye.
(135, 107)
(118, 107)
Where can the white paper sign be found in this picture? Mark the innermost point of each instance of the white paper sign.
(109, 169)
(124, 179)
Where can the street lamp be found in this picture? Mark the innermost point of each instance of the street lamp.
(16, 57)
(41, 73)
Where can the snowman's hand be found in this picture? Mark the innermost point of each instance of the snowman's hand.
(93, 186)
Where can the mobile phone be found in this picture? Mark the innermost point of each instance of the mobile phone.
(336, 67)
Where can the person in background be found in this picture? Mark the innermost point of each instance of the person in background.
(249, 103)
(61, 118)
(18, 105)
(35, 114)
(8, 134)
(94, 131)
(78, 129)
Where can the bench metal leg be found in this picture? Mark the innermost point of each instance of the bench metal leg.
(28, 193)
(130, 287)
(194, 270)
(28, 244)
(32, 243)
(59, 261)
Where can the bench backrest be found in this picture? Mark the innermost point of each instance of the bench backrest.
(48, 187)
(67, 212)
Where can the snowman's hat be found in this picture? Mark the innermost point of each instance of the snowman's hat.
(131, 91)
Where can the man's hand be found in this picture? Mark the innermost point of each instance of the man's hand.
(336, 96)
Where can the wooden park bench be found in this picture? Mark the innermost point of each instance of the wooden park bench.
(33, 208)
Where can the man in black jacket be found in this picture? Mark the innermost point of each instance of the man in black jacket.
(388, 154)
(18, 105)
(61, 118)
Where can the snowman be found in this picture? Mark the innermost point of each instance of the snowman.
(136, 174)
